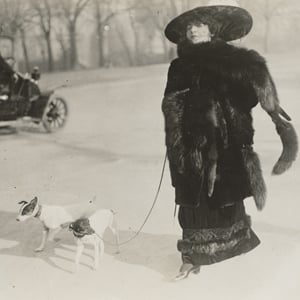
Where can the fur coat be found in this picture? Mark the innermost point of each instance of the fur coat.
(211, 90)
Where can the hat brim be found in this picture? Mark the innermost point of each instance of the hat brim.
(233, 22)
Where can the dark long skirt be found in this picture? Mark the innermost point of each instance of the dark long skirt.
(211, 235)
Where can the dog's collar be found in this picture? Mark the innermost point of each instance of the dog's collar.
(82, 234)
(78, 234)
(37, 215)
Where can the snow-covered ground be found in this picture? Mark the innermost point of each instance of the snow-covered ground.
(112, 150)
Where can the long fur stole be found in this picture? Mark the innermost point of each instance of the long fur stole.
(243, 65)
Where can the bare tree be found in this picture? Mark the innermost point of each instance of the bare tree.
(103, 13)
(16, 17)
(40, 42)
(24, 47)
(136, 40)
(268, 10)
(125, 44)
(45, 12)
(161, 12)
(62, 41)
(173, 7)
(126, 27)
(71, 11)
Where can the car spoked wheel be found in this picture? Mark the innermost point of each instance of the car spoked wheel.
(55, 114)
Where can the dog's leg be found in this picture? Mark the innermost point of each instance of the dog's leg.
(53, 233)
(96, 254)
(115, 231)
(101, 248)
(80, 247)
(116, 234)
(44, 239)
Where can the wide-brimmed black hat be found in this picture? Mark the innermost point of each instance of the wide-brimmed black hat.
(224, 21)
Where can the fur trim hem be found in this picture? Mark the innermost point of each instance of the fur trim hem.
(207, 235)
(214, 241)
(225, 250)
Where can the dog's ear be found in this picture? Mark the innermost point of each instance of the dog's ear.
(34, 201)
(23, 202)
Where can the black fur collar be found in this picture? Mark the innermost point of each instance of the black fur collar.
(219, 60)
(218, 51)
(187, 50)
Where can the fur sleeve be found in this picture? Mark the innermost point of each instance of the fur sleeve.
(177, 77)
(265, 88)
(173, 107)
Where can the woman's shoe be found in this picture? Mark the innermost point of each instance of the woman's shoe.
(185, 271)
(196, 270)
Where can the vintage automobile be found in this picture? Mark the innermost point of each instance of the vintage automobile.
(21, 98)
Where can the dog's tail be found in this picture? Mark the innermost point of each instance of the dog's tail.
(93, 199)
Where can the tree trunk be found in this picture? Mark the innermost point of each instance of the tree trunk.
(64, 55)
(268, 17)
(188, 5)
(100, 37)
(64, 52)
(65, 59)
(13, 46)
(174, 10)
(73, 46)
(43, 56)
(138, 60)
(25, 51)
(49, 52)
(126, 47)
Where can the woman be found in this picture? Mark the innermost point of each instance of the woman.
(212, 87)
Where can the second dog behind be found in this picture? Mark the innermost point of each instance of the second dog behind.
(90, 231)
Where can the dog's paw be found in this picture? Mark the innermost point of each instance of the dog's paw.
(39, 249)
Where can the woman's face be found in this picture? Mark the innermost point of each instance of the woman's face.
(198, 33)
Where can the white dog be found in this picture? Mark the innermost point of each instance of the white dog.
(91, 230)
(53, 217)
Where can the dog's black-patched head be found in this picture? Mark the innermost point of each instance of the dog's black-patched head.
(81, 227)
(28, 209)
